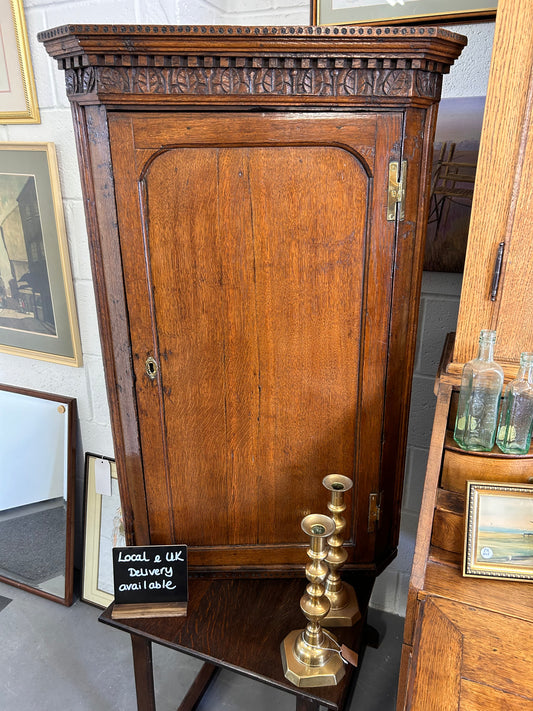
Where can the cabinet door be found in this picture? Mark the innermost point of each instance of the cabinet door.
(469, 659)
(258, 266)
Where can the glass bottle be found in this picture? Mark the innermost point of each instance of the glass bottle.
(479, 398)
(514, 430)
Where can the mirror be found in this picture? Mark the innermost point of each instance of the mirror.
(37, 465)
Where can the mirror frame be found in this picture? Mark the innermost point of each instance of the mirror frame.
(70, 404)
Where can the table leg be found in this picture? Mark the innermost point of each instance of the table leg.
(371, 636)
(303, 704)
(144, 677)
(198, 688)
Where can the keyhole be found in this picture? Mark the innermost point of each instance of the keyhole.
(151, 367)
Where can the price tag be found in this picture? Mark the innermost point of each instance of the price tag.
(349, 656)
(102, 476)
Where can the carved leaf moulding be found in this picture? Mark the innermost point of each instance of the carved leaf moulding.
(234, 81)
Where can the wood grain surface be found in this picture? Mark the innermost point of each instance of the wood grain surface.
(502, 204)
(240, 624)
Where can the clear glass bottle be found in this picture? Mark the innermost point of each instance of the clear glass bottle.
(479, 398)
(516, 418)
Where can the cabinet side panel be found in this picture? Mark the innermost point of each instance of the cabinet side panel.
(409, 249)
(106, 261)
(501, 160)
(515, 319)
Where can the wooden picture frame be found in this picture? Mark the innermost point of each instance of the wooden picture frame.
(37, 307)
(499, 531)
(104, 530)
(37, 492)
(18, 97)
(346, 12)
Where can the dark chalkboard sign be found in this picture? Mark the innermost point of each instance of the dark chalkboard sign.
(150, 580)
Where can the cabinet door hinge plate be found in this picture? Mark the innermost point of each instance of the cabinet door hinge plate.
(396, 191)
(374, 511)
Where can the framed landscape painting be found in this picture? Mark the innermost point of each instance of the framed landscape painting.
(499, 530)
(37, 308)
(18, 98)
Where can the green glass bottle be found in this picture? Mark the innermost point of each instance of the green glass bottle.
(514, 430)
(479, 398)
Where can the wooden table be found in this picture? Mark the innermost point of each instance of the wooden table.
(238, 624)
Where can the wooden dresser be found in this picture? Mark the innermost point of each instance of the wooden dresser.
(256, 201)
(468, 641)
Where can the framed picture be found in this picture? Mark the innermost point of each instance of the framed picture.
(344, 12)
(104, 530)
(455, 155)
(37, 497)
(37, 308)
(18, 98)
(499, 530)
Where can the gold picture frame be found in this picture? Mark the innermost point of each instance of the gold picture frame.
(18, 96)
(37, 307)
(499, 531)
(104, 530)
(352, 12)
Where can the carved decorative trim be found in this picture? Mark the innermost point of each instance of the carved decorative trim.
(231, 31)
(122, 63)
(233, 81)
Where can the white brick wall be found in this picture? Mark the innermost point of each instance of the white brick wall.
(86, 384)
(439, 306)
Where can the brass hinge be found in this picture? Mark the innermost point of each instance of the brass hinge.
(374, 511)
(396, 192)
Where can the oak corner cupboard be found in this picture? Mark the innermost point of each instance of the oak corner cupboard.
(256, 201)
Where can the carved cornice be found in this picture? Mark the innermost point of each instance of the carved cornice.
(116, 64)
(233, 31)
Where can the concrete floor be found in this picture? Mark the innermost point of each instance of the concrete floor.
(56, 658)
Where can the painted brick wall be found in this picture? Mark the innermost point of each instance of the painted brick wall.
(439, 306)
(86, 384)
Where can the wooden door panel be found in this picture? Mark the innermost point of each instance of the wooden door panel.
(436, 667)
(483, 697)
(264, 360)
(257, 261)
(465, 654)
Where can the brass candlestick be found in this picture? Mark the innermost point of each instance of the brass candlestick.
(308, 659)
(344, 608)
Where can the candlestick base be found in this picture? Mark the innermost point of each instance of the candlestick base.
(344, 610)
(329, 672)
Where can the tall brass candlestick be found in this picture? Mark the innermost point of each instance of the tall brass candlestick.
(344, 608)
(308, 659)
